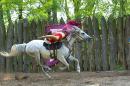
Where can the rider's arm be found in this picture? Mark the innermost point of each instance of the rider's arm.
(56, 36)
(51, 36)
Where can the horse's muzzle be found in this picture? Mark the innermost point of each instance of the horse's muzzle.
(89, 39)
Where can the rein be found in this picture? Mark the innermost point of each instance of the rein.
(69, 38)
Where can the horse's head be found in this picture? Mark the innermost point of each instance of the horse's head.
(77, 32)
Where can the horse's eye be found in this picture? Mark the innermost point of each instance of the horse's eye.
(82, 33)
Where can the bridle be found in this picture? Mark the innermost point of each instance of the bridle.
(69, 38)
(74, 32)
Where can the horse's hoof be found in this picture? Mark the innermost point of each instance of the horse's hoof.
(63, 68)
(21, 77)
(51, 78)
(78, 71)
(48, 70)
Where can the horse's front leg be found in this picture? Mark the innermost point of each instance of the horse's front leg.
(71, 58)
(63, 60)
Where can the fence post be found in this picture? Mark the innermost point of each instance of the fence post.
(104, 44)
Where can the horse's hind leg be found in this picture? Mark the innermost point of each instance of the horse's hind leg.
(39, 63)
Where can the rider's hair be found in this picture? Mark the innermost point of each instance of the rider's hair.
(74, 22)
(49, 33)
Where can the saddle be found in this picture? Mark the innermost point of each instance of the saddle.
(54, 46)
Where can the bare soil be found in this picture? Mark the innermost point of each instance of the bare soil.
(108, 78)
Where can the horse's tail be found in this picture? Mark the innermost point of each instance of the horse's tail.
(15, 50)
(6, 54)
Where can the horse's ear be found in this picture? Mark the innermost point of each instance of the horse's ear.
(76, 28)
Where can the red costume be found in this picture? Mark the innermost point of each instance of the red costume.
(60, 34)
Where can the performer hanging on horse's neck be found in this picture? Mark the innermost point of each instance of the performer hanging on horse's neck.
(55, 37)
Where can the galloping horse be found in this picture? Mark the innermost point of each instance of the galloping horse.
(36, 49)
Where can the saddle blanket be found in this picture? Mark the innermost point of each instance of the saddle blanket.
(51, 62)
(21, 47)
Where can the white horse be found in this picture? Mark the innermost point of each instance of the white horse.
(36, 49)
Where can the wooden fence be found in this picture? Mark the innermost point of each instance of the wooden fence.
(108, 50)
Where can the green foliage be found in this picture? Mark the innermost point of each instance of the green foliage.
(119, 67)
(37, 14)
(127, 4)
(30, 8)
(38, 9)
(88, 7)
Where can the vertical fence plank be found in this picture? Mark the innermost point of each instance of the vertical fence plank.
(120, 39)
(20, 40)
(39, 28)
(127, 45)
(26, 59)
(85, 55)
(25, 30)
(2, 59)
(97, 43)
(125, 42)
(90, 51)
(10, 37)
(44, 26)
(104, 44)
(33, 33)
(112, 43)
(15, 41)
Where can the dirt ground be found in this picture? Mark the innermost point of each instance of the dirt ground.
(107, 78)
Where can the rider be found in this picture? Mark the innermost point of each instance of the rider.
(57, 37)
